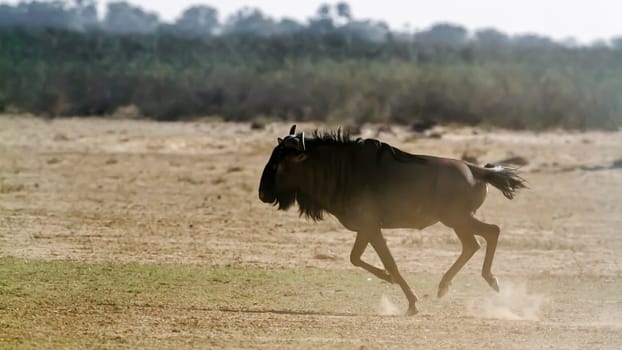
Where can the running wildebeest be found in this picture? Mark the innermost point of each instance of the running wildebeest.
(369, 185)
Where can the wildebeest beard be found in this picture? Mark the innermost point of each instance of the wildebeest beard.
(306, 205)
(285, 199)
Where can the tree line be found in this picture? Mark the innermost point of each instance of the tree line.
(61, 58)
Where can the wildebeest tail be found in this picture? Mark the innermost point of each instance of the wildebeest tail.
(503, 178)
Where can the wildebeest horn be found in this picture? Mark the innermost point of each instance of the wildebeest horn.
(293, 142)
(297, 143)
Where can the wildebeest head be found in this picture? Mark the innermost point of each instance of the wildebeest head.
(283, 172)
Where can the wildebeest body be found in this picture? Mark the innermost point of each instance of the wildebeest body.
(369, 185)
(394, 189)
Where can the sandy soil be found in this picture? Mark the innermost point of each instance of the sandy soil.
(123, 190)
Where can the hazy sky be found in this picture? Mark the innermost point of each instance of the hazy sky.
(584, 20)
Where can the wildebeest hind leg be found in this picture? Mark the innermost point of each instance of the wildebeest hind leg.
(355, 258)
(469, 247)
(380, 246)
(491, 235)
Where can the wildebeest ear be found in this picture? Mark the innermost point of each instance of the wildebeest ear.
(292, 130)
(279, 140)
(300, 157)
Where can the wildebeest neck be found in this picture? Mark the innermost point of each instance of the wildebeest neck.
(332, 178)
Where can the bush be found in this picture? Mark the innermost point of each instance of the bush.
(310, 78)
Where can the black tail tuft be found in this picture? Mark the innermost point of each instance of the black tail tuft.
(507, 180)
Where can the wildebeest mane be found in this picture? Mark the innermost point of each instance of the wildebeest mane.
(338, 137)
(330, 137)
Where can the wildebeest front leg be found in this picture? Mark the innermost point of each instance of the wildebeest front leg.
(380, 245)
(355, 258)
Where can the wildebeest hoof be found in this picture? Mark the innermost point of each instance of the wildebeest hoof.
(412, 310)
(443, 288)
(493, 282)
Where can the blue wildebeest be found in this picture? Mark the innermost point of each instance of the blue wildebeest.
(369, 185)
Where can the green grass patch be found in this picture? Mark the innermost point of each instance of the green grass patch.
(71, 304)
(66, 282)
(60, 304)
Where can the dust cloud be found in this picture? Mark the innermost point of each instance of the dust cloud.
(387, 308)
(513, 302)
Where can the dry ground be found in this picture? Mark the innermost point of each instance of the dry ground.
(170, 212)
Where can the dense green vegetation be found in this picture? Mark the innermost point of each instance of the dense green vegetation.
(308, 73)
